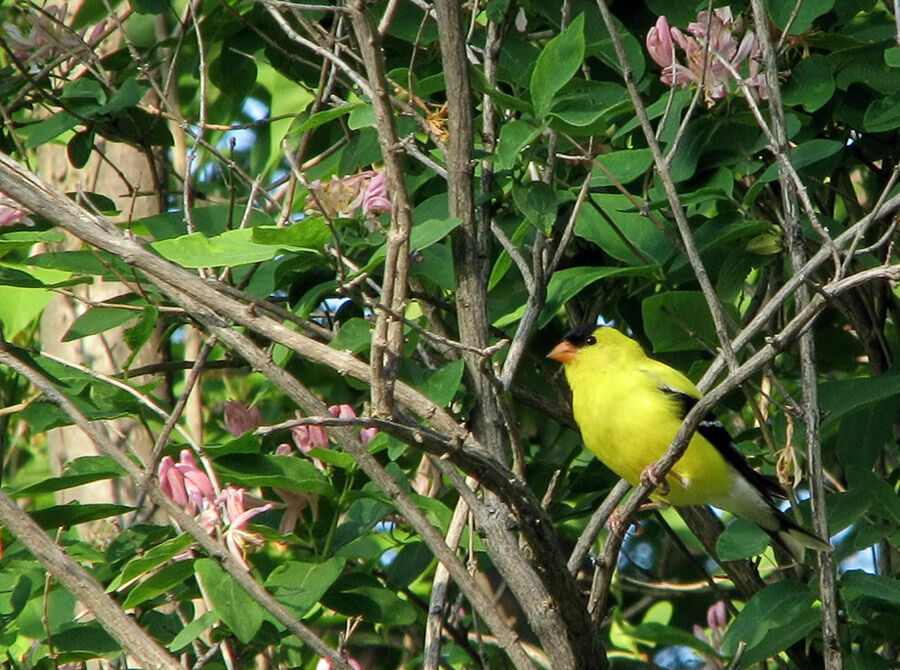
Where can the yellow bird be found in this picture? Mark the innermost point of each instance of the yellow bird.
(629, 408)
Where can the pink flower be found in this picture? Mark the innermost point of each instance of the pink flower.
(237, 536)
(185, 483)
(717, 620)
(240, 419)
(10, 214)
(704, 51)
(347, 412)
(375, 198)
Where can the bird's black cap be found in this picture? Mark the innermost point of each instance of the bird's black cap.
(581, 336)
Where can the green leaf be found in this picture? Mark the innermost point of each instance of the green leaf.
(13, 277)
(210, 220)
(286, 472)
(586, 106)
(441, 385)
(623, 167)
(80, 147)
(150, 6)
(74, 513)
(304, 123)
(741, 539)
(661, 635)
(882, 114)
(811, 83)
(192, 631)
(84, 641)
(99, 320)
(309, 234)
(558, 62)
(50, 129)
(15, 590)
(611, 221)
(514, 137)
(150, 559)
(780, 608)
(780, 12)
(537, 201)
(355, 335)
(248, 443)
(804, 155)
(409, 563)
(301, 585)
(234, 247)
(423, 235)
(241, 613)
(165, 579)
(140, 333)
(679, 321)
(82, 470)
(892, 56)
(362, 595)
(872, 586)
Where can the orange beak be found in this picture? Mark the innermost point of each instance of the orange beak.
(563, 352)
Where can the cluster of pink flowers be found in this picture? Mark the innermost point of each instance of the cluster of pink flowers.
(341, 196)
(719, 34)
(10, 214)
(192, 489)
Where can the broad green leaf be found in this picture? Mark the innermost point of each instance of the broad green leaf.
(74, 513)
(14, 277)
(99, 320)
(354, 336)
(585, 106)
(566, 284)
(882, 496)
(441, 385)
(423, 235)
(537, 202)
(23, 239)
(49, 129)
(872, 586)
(782, 605)
(140, 333)
(661, 635)
(362, 595)
(241, 613)
(165, 579)
(86, 88)
(150, 559)
(82, 470)
(741, 539)
(80, 147)
(811, 83)
(622, 167)
(15, 590)
(558, 62)
(304, 123)
(679, 321)
(84, 641)
(409, 563)
(514, 137)
(809, 10)
(248, 443)
(286, 472)
(611, 221)
(804, 155)
(234, 247)
(310, 234)
(210, 220)
(300, 585)
(892, 56)
(882, 114)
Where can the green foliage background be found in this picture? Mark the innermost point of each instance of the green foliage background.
(243, 105)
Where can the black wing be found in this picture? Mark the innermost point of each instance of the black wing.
(713, 430)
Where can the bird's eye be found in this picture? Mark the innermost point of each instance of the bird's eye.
(590, 340)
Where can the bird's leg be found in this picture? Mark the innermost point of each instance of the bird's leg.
(615, 520)
(650, 477)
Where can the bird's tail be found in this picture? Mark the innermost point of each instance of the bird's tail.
(795, 539)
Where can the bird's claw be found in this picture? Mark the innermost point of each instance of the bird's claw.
(651, 478)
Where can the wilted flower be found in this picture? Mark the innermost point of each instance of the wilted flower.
(240, 419)
(294, 501)
(49, 36)
(723, 43)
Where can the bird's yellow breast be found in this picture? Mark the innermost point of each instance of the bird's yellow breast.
(628, 422)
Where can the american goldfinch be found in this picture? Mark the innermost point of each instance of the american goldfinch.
(629, 408)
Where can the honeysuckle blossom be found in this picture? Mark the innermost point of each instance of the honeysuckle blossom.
(345, 411)
(722, 37)
(237, 515)
(717, 622)
(294, 501)
(10, 214)
(185, 483)
(340, 197)
(306, 437)
(240, 419)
